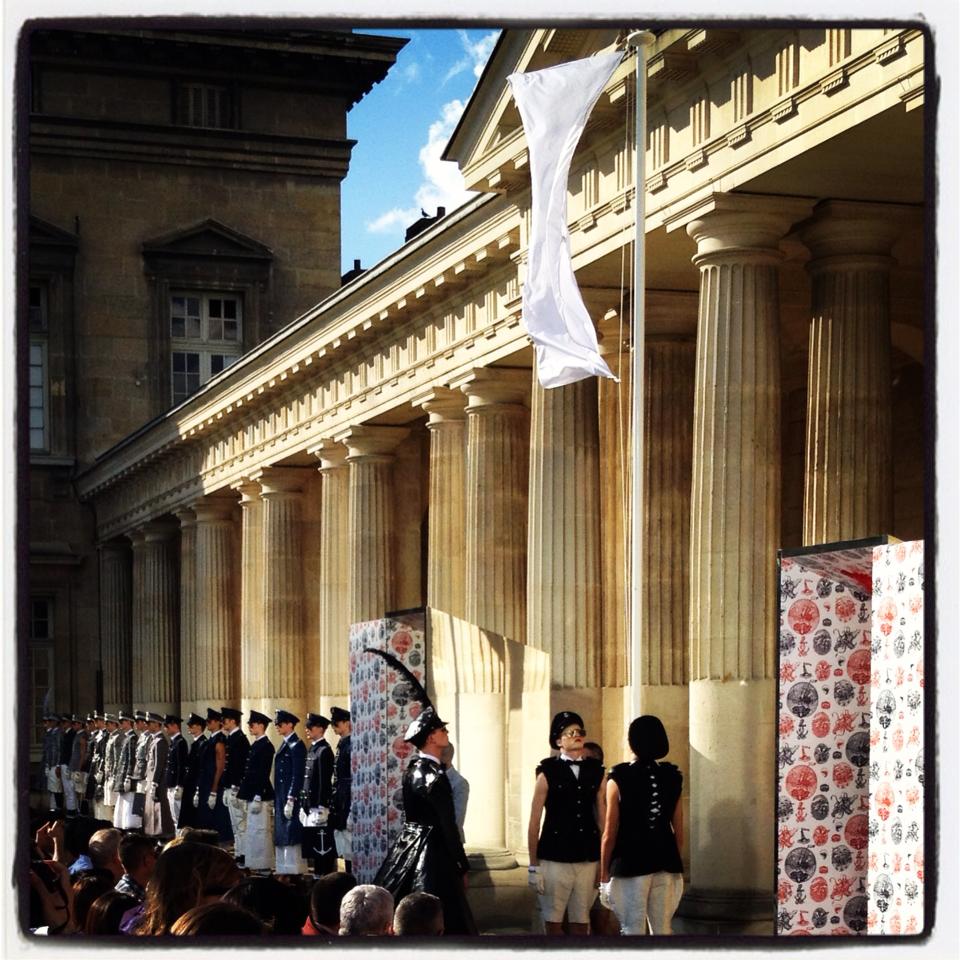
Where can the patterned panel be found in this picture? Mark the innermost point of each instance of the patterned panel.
(896, 868)
(381, 709)
(852, 567)
(823, 750)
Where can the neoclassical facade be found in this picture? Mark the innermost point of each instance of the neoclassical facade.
(391, 448)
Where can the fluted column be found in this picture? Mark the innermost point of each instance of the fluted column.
(333, 588)
(370, 454)
(446, 570)
(497, 472)
(848, 482)
(188, 609)
(252, 659)
(734, 529)
(563, 542)
(116, 625)
(283, 588)
(217, 646)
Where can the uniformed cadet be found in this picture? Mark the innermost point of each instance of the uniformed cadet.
(156, 816)
(288, 770)
(98, 740)
(237, 747)
(51, 760)
(316, 798)
(340, 818)
(80, 762)
(255, 795)
(139, 771)
(175, 774)
(67, 758)
(111, 753)
(212, 813)
(124, 817)
(189, 807)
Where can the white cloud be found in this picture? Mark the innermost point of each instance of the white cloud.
(393, 221)
(411, 72)
(475, 54)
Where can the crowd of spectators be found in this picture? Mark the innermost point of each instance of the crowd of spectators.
(89, 879)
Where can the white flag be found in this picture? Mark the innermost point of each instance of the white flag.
(554, 105)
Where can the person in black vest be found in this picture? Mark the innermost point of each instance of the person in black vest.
(316, 799)
(289, 766)
(340, 819)
(255, 794)
(68, 735)
(428, 854)
(175, 773)
(641, 873)
(565, 854)
(209, 794)
(237, 748)
(188, 807)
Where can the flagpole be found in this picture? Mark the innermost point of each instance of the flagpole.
(639, 40)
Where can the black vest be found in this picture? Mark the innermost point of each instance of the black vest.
(570, 833)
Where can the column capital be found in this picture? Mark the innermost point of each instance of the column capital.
(600, 300)
(486, 386)
(114, 545)
(332, 455)
(161, 529)
(277, 481)
(213, 508)
(612, 336)
(249, 491)
(186, 517)
(365, 441)
(841, 228)
(442, 404)
(742, 227)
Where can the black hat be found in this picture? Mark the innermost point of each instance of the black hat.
(213, 714)
(110, 717)
(89, 718)
(422, 726)
(194, 720)
(229, 713)
(316, 720)
(285, 716)
(139, 714)
(337, 714)
(155, 717)
(560, 723)
(647, 738)
(96, 715)
(125, 715)
(75, 719)
(256, 717)
(172, 718)
(50, 716)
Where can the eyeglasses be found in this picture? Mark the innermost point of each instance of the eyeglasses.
(574, 732)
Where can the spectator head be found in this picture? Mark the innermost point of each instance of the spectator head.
(138, 856)
(281, 907)
(187, 875)
(325, 899)
(593, 749)
(217, 919)
(648, 739)
(419, 915)
(104, 849)
(366, 911)
(77, 833)
(106, 911)
(86, 889)
(200, 835)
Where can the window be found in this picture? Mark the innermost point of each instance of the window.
(41, 667)
(38, 395)
(205, 105)
(206, 336)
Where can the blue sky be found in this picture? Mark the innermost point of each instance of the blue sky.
(401, 128)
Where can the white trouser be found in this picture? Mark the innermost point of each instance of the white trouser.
(174, 804)
(103, 811)
(109, 794)
(123, 816)
(236, 812)
(69, 789)
(256, 840)
(152, 816)
(53, 786)
(289, 860)
(343, 840)
(654, 897)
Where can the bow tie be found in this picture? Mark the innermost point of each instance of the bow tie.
(573, 763)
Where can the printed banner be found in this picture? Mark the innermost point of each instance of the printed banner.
(381, 709)
(896, 867)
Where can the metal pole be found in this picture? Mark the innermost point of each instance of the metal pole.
(639, 40)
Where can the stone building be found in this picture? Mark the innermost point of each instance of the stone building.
(184, 204)
(391, 448)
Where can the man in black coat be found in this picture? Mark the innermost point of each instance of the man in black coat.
(428, 854)
(340, 819)
(254, 795)
(209, 795)
(175, 773)
(316, 799)
(237, 748)
(288, 770)
(188, 810)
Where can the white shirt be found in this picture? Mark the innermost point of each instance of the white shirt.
(575, 769)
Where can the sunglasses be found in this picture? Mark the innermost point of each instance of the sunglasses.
(574, 732)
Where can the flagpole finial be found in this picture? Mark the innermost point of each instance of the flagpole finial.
(640, 38)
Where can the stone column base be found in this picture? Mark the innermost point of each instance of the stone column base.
(725, 913)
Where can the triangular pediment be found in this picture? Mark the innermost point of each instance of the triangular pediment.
(491, 115)
(209, 238)
(47, 235)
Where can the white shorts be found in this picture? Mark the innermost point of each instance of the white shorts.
(653, 897)
(568, 888)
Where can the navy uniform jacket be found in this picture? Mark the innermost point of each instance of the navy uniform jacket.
(256, 772)
(237, 748)
(342, 783)
(288, 771)
(218, 818)
(175, 774)
(66, 745)
(190, 815)
(318, 776)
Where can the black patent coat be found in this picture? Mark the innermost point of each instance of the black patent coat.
(428, 854)
(288, 770)
(190, 815)
(342, 783)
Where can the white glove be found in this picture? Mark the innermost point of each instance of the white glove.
(196, 799)
(77, 777)
(605, 900)
(349, 822)
(535, 878)
(288, 809)
(99, 777)
(301, 816)
(127, 785)
(212, 800)
(233, 795)
(178, 794)
(141, 787)
(255, 805)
